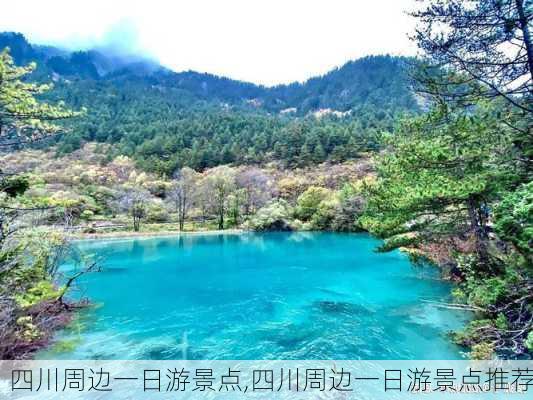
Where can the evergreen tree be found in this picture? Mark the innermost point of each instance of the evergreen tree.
(24, 119)
(439, 176)
(486, 41)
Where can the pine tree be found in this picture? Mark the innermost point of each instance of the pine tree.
(24, 119)
(438, 177)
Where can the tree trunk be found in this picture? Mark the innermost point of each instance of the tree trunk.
(478, 228)
(527, 38)
(221, 218)
(235, 211)
(204, 215)
(183, 211)
(182, 220)
(248, 204)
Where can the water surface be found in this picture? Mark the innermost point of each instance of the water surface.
(259, 296)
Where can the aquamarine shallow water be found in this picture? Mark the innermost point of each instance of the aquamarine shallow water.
(259, 296)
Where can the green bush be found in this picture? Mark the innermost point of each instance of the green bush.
(514, 219)
(274, 216)
(157, 213)
(309, 201)
(482, 351)
(87, 215)
(42, 291)
(325, 214)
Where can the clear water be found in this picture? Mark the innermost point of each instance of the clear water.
(259, 296)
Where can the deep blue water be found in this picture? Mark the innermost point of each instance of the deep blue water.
(259, 296)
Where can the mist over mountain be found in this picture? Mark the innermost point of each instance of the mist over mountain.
(166, 119)
(94, 64)
(371, 80)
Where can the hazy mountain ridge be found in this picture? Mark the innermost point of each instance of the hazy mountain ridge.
(376, 81)
(80, 64)
(165, 120)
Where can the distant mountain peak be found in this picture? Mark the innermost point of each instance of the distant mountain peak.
(369, 82)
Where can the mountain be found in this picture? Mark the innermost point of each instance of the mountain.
(379, 81)
(166, 119)
(376, 80)
(20, 49)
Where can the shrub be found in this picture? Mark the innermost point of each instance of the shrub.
(157, 213)
(482, 351)
(42, 291)
(274, 216)
(325, 214)
(309, 201)
(514, 219)
(87, 215)
(351, 204)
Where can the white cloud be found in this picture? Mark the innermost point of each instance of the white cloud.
(261, 41)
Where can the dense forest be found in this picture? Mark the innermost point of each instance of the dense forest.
(445, 178)
(167, 120)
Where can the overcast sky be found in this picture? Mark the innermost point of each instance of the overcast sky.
(267, 41)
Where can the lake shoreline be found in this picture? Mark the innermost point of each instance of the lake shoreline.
(147, 235)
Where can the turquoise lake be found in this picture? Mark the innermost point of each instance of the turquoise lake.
(259, 296)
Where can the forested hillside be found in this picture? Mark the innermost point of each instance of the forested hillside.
(167, 120)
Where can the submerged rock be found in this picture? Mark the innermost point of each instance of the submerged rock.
(342, 307)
